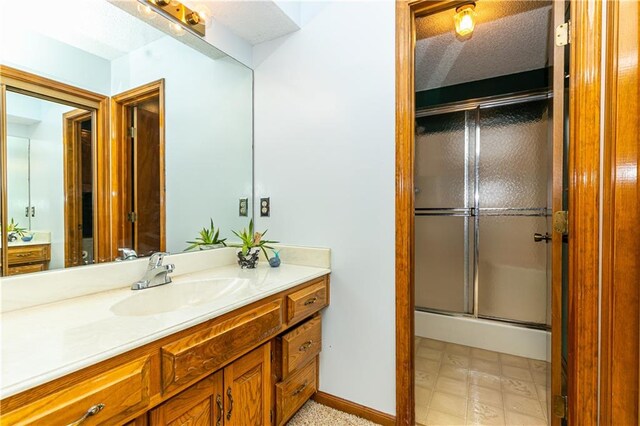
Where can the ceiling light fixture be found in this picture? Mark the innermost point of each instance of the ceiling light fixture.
(464, 19)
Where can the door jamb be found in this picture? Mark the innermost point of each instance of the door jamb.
(119, 104)
(584, 172)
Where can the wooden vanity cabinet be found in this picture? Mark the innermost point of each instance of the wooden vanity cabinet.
(28, 258)
(253, 366)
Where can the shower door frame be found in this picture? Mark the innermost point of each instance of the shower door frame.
(473, 108)
(584, 187)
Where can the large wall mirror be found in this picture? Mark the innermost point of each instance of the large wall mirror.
(118, 130)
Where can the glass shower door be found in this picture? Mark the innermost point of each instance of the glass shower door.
(443, 225)
(513, 180)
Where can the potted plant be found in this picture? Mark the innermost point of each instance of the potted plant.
(208, 239)
(14, 231)
(252, 243)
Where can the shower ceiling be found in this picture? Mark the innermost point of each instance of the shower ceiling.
(510, 37)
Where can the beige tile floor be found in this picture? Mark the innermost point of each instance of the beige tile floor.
(460, 385)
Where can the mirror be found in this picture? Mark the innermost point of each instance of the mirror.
(118, 131)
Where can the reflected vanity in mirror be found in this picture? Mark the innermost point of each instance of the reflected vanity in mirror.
(115, 133)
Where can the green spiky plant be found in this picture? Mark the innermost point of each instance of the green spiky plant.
(207, 237)
(15, 227)
(251, 239)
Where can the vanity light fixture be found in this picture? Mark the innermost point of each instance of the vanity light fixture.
(183, 18)
(464, 19)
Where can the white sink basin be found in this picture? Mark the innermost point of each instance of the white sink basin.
(179, 295)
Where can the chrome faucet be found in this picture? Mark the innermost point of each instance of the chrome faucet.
(157, 273)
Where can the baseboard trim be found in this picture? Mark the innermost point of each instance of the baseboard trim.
(354, 408)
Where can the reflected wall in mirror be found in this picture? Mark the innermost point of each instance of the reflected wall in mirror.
(115, 133)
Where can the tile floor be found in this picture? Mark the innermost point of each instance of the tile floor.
(460, 385)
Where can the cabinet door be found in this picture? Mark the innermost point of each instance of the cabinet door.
(199, 405)
(247, 383)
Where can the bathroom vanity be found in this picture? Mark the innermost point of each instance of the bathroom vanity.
(246, 355)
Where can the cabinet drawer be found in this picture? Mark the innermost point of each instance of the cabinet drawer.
(300, 345)
(26, 269)
(305, 302)
(189, 358)
(292, 393)
(28, 254)
(122, 391)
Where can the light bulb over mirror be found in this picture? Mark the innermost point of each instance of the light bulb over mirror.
(176, 29)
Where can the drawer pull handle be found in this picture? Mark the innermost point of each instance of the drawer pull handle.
(90, 412)
(310, 301)
(220, 410)
(24, 254)
(306, 345)
(230, 403)
(300, 388)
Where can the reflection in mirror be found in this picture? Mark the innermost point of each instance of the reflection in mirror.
(118, 134)
(36, 188)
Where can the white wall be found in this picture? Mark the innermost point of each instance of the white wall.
(50, 58)
(208, 133)
(324, 148)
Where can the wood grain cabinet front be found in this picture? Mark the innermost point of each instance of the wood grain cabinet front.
(201, 404)
(238, 395)
(29, 258)
(293, 392)
(206, 351)
(102, 400)
(300, 345)
(307, 301)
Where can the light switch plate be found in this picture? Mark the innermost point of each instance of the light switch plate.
(265, 207)
(243, 207)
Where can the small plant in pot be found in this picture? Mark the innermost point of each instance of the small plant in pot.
(252, 243)
(14, 231)
(208, 238)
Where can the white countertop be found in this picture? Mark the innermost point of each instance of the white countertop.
(45, 342)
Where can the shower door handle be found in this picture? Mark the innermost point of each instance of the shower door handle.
(539, 237)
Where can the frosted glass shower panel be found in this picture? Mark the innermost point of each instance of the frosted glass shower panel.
(440, 164)
(512, 268)
(442, 265)
(513, 159)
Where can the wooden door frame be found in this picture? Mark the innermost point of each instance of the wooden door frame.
(71, 150)
(584, 175)
(621, 235)
(119, 107)
(34, 85)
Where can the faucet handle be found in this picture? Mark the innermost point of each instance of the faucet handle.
(156, 258)
(127, 253)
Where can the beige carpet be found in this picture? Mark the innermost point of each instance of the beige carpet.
(314, 414)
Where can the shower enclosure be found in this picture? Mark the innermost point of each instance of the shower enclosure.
(482, 210)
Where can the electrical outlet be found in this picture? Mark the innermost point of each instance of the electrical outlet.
(265, 207)
(243, 207)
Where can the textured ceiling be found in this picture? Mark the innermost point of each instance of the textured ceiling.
(94, 26)
(256, 21)
(509, 37)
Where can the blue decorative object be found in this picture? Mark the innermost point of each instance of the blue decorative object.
(275, 261)
(27, 237)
